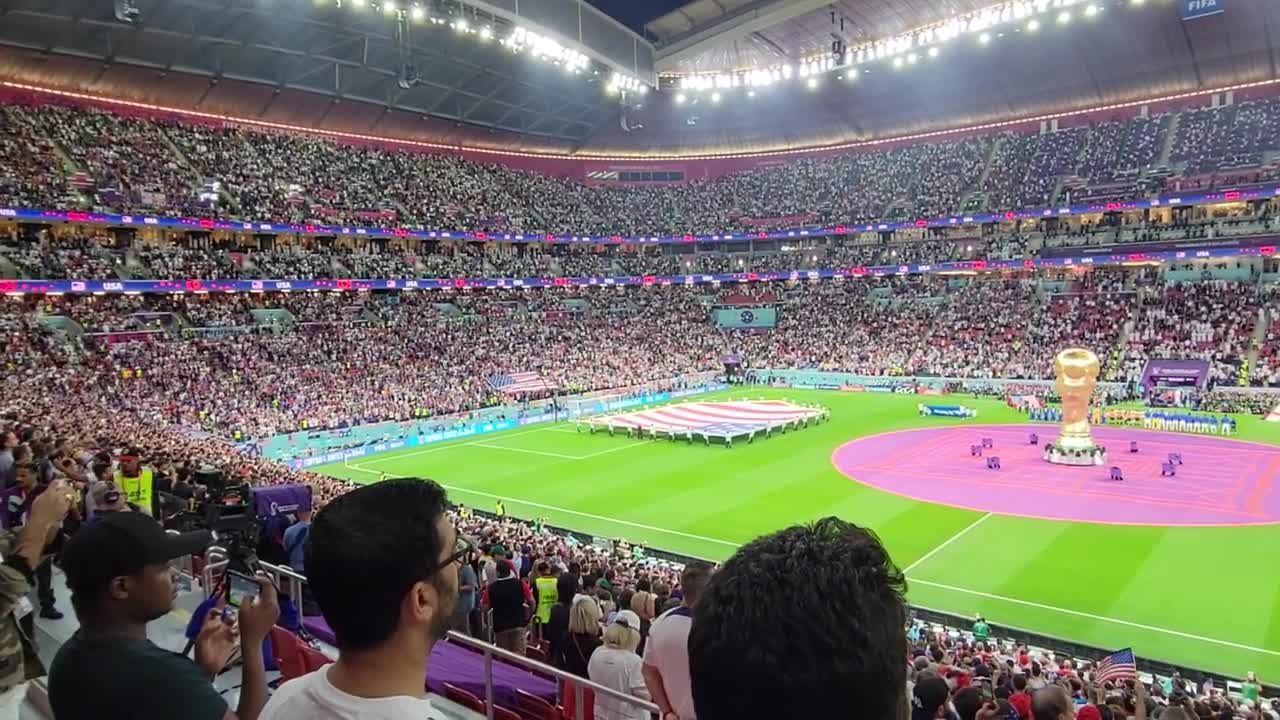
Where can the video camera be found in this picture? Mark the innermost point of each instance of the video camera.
(227, 512)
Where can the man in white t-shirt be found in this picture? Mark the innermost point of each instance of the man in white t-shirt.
(382, 561)
(666, 652)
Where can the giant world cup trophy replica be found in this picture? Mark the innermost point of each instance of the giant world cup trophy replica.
(1077, 376)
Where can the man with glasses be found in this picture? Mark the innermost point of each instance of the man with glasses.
(382, 561)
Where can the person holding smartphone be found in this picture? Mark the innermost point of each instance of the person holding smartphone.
(120, 579)
(22, 551)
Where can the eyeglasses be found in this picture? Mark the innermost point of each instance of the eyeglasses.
(462, 546)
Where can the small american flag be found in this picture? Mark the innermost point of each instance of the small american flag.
(521, 382)
(1119, 665)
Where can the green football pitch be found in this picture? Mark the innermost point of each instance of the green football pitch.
(1203, 597)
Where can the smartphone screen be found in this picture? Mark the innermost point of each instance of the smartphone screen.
(239, 588)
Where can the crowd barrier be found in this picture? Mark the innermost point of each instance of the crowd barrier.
(291, 582)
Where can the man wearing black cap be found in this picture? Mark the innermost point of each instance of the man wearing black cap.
(120, 579)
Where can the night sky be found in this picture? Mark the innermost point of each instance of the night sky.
(635, 13)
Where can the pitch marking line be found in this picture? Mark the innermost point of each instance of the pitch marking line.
(450, 446)
(1091, 616)
(628, 446)
(977, 593)
(946, 542)
(593, 517)
(543, 453)
(491, 446)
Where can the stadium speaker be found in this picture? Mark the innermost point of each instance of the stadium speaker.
(126, 11)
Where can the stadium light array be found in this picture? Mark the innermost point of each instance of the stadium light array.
(541, 47)
(621, 82)
(902, 49)
(513, 37)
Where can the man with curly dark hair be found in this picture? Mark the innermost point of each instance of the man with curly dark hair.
(807, 622)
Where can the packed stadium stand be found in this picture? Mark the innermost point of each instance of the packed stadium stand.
(245, 249)
(102, 161)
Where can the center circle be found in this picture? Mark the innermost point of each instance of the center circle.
(1220, 482)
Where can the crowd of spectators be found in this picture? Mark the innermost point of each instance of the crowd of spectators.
(356, 358)
(1026, 169)
(1212, 320)
(979, 330)
(88, 255)
(181, 390)
(1226, 138)
(136, 164)
(31, 173)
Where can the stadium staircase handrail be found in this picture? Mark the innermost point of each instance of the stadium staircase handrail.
(215, 560)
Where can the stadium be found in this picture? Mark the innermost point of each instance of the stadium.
(640, 286)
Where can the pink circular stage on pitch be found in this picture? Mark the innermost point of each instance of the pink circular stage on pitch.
(1221, 482)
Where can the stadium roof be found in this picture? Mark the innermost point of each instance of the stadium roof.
(350, 50)
(1123, 54)
(713, 35)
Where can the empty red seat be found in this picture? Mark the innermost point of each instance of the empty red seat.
(287, 649)
(464, 698)
(532, 707)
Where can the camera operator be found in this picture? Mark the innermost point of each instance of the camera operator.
(120, 579)
(23, 550)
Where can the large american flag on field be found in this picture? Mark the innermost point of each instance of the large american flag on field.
(521, 382)
(1119, 665)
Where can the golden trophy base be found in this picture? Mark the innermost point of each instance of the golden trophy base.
(1081, 451)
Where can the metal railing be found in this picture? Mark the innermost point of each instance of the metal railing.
(580, 684)
(215, 560)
